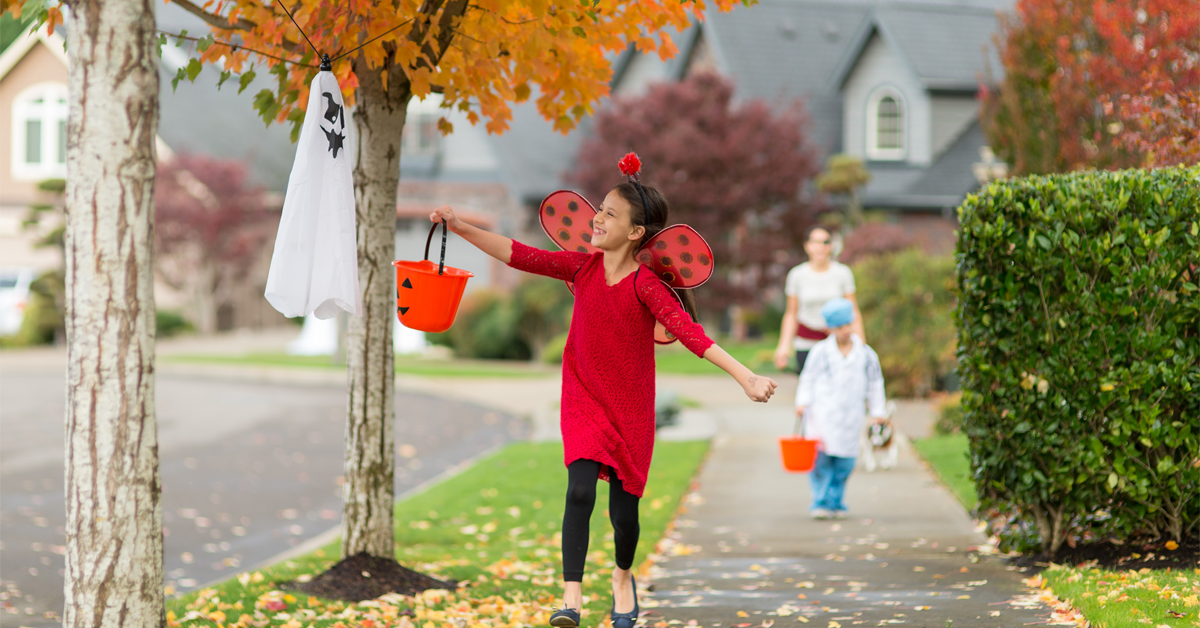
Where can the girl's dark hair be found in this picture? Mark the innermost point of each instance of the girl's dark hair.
(654, 218)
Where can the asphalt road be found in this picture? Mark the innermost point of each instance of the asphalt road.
(248, 469)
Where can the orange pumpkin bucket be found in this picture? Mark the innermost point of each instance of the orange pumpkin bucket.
(799, 453)
(428, 294)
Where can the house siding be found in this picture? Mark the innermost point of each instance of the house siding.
(38, 66)
(879, 67)
(951, 116)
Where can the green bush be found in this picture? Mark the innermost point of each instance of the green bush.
(552, 353)
(515, 326)
(42, 323)
(170, 323)
(907, 304)
(1079, 352)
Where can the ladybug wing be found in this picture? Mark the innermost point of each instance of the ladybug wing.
(679, 256)
(566, 218)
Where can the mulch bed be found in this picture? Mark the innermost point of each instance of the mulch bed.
(1108, 555)
(365, 577)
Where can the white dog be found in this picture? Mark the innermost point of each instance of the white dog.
(879, 438)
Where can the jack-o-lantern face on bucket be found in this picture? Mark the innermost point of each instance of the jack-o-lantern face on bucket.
(426, 300)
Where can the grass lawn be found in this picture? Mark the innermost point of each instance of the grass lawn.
(757, 355)
(495, 526)
(1115, 599)
(1107, 599)
(404, 365)
(948, 457)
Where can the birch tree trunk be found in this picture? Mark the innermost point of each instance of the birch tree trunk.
(114, 556)
(370, 443)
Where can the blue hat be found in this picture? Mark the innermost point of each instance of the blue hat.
(838, 312)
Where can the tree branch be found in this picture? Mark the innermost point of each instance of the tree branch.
(216, 21)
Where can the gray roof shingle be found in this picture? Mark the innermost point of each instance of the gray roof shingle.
(946, 46)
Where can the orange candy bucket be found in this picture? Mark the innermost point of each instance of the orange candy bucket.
(428, 294)
(799, 453)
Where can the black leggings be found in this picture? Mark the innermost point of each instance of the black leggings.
(582, 476)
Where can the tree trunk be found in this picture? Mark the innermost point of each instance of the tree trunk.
(114, 573)
(204, 298)
(1049, 519)
(370, 446)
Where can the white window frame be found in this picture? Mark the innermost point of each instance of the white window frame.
(50, 113)
(874, 151)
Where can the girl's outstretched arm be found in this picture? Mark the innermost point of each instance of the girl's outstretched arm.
(493, 244)
(757, 387)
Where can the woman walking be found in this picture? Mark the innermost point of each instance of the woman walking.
(809, 287)
(608, 374)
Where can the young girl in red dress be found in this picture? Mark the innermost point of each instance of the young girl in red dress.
(608, 375)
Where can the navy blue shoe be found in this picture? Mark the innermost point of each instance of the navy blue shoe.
(565, 618)
(627, 620)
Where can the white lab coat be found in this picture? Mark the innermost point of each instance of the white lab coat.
(836, 389)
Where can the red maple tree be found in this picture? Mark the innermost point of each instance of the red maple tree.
(209, 230)
(1096, 84)
(737, 174)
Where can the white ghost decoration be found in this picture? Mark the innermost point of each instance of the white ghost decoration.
(314, 269)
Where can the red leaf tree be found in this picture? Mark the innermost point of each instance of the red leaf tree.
(1097, 84)
(209, 230)
(738, 174)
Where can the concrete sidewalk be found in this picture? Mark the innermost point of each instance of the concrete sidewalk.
(745, 553)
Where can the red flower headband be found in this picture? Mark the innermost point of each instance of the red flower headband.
(630, 165)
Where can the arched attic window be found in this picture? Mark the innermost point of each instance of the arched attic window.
(39, 132)
(887, 125)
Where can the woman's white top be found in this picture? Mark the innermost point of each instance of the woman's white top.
(837, 389)
(813, 289)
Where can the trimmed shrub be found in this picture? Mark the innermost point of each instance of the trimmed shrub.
(1079, 352)
(907, 304)
(42, 323)
(171, 323)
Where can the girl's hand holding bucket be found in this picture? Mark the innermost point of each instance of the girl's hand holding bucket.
(445, 214)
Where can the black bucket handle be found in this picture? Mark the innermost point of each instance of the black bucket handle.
(441, 262)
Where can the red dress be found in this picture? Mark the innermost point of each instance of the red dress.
(608, 363)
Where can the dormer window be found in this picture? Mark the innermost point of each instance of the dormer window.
(887, 126)
(39, 132)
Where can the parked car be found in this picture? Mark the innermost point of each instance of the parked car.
(14, 296)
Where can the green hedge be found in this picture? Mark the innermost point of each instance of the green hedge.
(1079, 352)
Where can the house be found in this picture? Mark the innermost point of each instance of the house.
(893, 82)
(33, 112)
